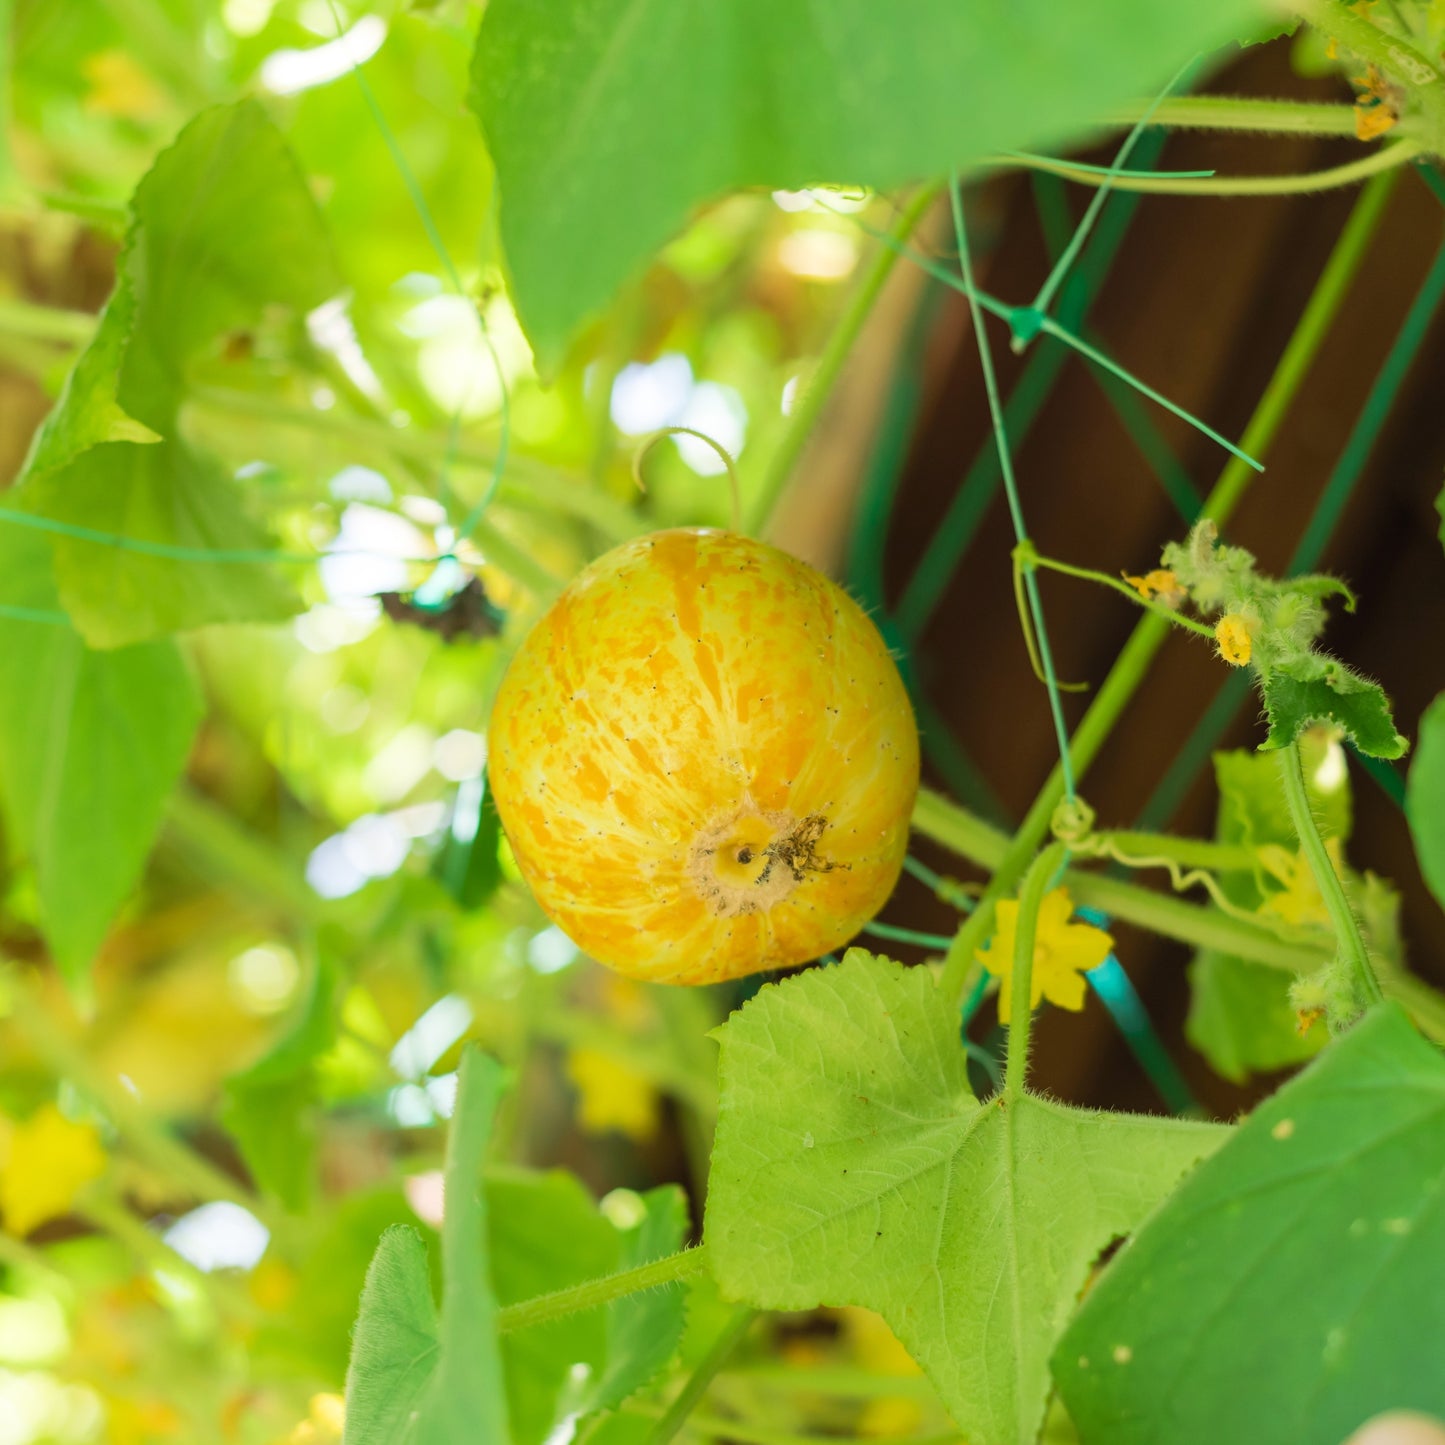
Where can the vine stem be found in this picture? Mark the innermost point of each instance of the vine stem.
(1036, 883)
(688, 1398)
(961, 833)
(1347, 928)
(594, 1292)
(813, 396)
(1386, 159)
(1130, 667)
(1034, 558)
(1240, 113)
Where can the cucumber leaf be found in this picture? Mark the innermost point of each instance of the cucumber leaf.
(610, 121)
(1267, 1299)
(854, 1166)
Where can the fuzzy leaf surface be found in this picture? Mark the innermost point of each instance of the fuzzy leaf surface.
(853, 1166)
(1339, 697)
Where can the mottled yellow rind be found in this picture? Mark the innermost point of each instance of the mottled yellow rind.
(705, 760)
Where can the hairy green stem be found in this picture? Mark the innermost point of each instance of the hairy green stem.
(1132, 664)
(1187, 852)
(814, 394)
(1387, 158)
(688, 1398)
(1036, 883)
(593, 1292)
(1240, 113)
(1350, 941)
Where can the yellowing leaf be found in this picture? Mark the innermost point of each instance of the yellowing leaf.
(49, 1159)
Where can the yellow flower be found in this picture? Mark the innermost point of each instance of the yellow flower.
(612, 1096)
(1235, 644)
(1300, 902)
(1374, 108)
(1160, 584)
(1063, 953)
(47, 1161)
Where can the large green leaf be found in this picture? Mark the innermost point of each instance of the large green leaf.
(854, 1166)
(609, 121)
(91, 744)
(223, 229)
(418, 1377)
(1425, 798)
(1295, 1284)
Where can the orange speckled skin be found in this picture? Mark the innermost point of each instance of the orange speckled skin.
(704, 760)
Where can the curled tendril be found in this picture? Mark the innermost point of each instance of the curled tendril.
(1025, 559)
(1098, 845)
(667, 431)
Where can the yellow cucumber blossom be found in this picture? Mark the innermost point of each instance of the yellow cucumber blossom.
(1063, 953)
(1235, 644)
(1160, 585)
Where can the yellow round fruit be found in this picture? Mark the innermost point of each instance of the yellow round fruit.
(704, 760)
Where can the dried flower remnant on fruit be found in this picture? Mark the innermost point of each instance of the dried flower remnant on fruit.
(1235, 644)
(1160, 585)
(1063, 953)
